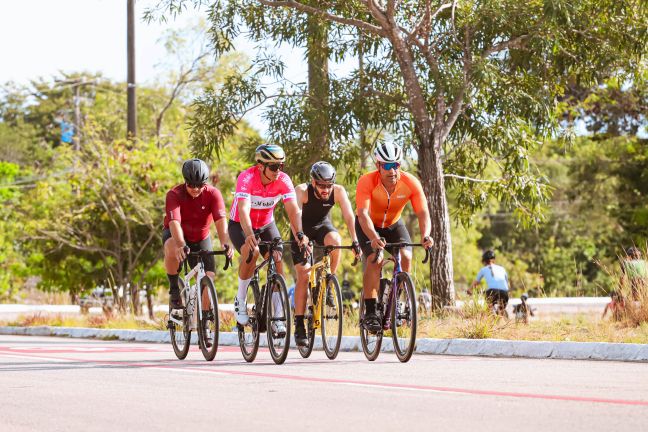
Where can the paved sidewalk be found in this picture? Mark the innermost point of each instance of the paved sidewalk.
(459, 347)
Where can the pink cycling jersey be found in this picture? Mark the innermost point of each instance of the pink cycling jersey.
(263, 199)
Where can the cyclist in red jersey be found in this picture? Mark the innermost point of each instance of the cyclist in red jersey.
(258, 190)
(189, 211)
(381, 196)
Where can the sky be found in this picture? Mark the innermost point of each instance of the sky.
(43, 37)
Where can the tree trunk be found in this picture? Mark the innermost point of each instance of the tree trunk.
(441, 275)
(318, 88)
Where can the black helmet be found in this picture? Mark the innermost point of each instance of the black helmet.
(195, 171)
(524, 297)
(323, 171)
(269, 153)
(488, 255)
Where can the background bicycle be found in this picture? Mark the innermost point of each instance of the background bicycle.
(395, 307)
(200, 308)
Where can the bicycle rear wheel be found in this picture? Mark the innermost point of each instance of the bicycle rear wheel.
(209, 326)
(332, 318)
(371, 342)
(179, 328)
(278, 319)
(403, 318)
(249, 333)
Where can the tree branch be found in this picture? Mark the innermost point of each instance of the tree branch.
(517, 42)
(335, 18)
(472, 179)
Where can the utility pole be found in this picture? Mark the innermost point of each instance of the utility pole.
(132, 97)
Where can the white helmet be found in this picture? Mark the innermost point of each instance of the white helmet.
(388, 152)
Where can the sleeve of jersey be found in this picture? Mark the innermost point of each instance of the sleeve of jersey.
(243, 185)
(172, 207)
(288, 193)
(218, 206)
(418, 196)
(363, 192)
(480, 276)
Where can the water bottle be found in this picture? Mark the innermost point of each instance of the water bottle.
(192, 299)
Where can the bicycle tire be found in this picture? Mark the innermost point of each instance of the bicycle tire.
(403, 317)
(331, 318)
(180, 337)
(278, 345)
(209, 328)
(305, 351)
(249, 333)
(371, 342)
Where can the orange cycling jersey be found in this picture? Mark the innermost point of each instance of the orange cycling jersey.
(386, 209)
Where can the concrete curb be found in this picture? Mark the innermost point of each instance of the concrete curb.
(458, 347)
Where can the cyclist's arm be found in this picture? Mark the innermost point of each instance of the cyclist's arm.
(244, 217)
(342, 198)
(223, 235)
(419, 204)
(294, 216)
(368, 228)
(178, 237)
(301, 194)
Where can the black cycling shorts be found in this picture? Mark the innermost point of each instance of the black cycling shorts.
(204, 244)
(265, 233)
(315, 234)
(494, 296)
(396, 233)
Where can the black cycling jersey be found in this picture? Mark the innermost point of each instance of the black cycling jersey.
(316, 210)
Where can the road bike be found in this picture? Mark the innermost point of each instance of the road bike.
(324, 308)
(268, 310)
(395, 307)
(199, 311)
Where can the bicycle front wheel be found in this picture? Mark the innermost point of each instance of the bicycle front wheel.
(278, 319)
(403, 317)
(371, 342)
(332, 318)
(208, 327)
(305, 351)
(249, 333)
(179, 328)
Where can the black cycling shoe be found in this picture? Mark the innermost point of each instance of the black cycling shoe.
(372, 323)
(300, 336)
(175, 302)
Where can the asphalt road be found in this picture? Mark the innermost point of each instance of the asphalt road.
(57, 384)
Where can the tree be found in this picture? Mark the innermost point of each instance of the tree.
(474, 83)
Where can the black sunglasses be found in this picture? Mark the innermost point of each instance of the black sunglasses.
(195, 185)
(324, 185)
(274, 166)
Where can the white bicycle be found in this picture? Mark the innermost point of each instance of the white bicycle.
(203, 304)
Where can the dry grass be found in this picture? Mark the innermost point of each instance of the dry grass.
(472, 323)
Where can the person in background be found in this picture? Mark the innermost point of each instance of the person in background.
(634, 272)
(497, 283)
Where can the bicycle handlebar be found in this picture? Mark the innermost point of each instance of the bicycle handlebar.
(274, 243)
(204, 253)
(328, 248)
(399, 245)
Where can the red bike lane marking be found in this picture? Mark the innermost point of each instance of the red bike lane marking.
(78, 349)
(371, 384)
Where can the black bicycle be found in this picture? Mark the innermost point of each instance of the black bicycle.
(268, 310)
(395, 307)
(203, 304)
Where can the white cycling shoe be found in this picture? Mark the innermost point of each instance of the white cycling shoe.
(241, 312)
(278, 329)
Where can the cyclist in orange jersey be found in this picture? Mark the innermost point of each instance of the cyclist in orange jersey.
(381, 196)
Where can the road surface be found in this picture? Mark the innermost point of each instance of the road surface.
(58, 384)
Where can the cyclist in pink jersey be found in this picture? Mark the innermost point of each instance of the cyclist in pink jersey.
(258, 190)
(190, 209)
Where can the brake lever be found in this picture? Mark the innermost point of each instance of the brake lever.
(228, 261)
(427, 255)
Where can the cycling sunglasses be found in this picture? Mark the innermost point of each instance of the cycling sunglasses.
(195, 185)
(390, 165)
(324, 185)
(275, 166)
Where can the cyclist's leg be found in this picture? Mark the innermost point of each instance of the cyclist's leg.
(245, 271)
(397, 233)
(329, 236)
(172, 267)
(302, 269)
(268, 233)
(370, 279)
(210, 266)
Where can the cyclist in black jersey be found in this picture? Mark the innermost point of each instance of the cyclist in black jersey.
(316, 199)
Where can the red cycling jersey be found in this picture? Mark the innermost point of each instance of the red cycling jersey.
(194, 214)
(263, 198)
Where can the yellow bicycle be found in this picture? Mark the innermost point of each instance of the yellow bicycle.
(324, 306)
